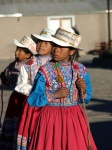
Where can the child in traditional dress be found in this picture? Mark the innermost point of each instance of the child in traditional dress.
(26, 49)
(29, 114)
(10, 74)
(60, 86)
(9, 79)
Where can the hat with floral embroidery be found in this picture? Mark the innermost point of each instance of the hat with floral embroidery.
(67, 38)
(26, 42)
(44, 35)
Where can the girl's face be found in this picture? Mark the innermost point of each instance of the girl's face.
(44, 48)
(62, 53)
(21, 55)
(16, 54)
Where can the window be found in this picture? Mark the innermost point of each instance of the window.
(60, 21)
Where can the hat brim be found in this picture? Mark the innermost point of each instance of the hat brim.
(21, 45)
(62, 43)
(36, 37)
(18, 44)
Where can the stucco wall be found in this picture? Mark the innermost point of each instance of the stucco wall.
(11, 28)
(93, 28)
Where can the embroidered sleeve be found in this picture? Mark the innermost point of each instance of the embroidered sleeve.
(10, 74)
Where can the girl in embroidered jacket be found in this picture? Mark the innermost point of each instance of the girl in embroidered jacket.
(25, 80)
(25, 49)
(59, 88)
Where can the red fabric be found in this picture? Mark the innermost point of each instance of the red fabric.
(61, 128)
(8, 133)
(16, 101)
(27, 120)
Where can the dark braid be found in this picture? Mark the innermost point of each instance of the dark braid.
(72, 58)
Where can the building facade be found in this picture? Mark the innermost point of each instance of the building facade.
(26, 17)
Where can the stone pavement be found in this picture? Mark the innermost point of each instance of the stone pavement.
(99, 110)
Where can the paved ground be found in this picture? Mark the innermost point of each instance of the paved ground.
(99, 109)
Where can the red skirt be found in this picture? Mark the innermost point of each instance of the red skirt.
(15, 104)
(61, 128)
(8, 133)
(26, 125)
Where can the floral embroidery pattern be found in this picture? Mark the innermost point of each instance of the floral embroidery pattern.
(65, 71)
(33, 65)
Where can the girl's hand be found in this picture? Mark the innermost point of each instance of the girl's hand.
(61, 93)
(81, 85)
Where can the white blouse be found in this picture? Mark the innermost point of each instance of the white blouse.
(23, 85)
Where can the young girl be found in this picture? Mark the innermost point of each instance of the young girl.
(25, 50)
(29, 114)
(10, 74)
(9, 78)
(59, 87)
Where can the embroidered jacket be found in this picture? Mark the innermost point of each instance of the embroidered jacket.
(10, 74)
(28, 72)
(46, 84)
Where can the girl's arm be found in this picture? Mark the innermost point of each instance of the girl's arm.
(23, 86)
(37, 95)
(88, 94)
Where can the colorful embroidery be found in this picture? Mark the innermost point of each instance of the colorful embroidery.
(33, 65)
(69, 76)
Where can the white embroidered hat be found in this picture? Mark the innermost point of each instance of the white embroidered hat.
(67, 38)
(44, 35)
(27, 42)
